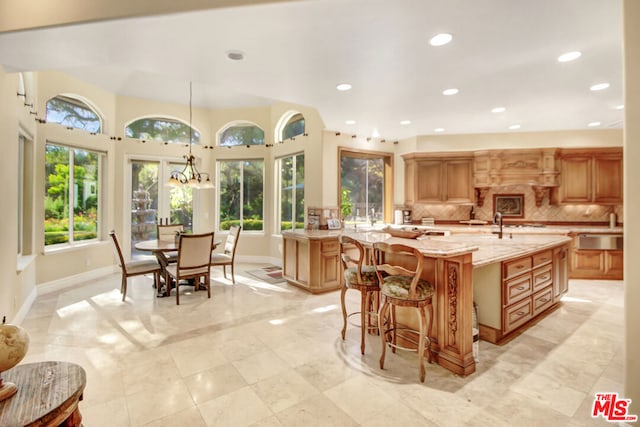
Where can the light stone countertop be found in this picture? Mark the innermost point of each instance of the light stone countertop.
(486, 248)
(492, 249)
(312, 234)
(515, 229)
(436, 248)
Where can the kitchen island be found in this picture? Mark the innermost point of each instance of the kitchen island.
(516, 280)
(309, 256)
(501, 273)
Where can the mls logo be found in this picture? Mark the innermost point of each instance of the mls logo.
(612, 408)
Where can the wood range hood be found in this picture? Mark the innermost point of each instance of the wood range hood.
(538, 168)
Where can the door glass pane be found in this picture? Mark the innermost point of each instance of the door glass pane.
(56, 202)
(299, 211)
(85, 203)
(180, 202)
(144, 202)
(253, 191)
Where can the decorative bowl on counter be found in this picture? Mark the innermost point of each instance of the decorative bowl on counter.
(403, 233)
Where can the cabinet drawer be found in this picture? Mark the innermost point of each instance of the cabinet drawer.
(518, 266)
(330, 246)
(542, 277)
(517, 314)
(542, 300)
(516, 289)
(542, 258)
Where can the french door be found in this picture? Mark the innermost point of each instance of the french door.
(151, 201)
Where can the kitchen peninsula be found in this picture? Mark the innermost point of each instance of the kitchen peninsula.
(517, 280)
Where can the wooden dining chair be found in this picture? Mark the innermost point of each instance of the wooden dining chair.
(167, 233)
(402, 286)
(133, 268)
(194, 262)
(228, 256)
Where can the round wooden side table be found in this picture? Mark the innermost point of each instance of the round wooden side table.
(48, 395)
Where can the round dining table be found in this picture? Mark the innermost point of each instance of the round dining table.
(156, 245)
(158, 248)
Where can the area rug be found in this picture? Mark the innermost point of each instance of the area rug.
(269, 274)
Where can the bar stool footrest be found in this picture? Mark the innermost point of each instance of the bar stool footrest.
(407, 338)
(372, 327)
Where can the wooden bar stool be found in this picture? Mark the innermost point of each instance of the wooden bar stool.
(402, 287)
(363, 278)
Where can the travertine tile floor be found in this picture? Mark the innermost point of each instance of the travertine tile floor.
(271, 355)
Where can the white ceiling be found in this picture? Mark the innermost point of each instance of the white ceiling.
(504, 53)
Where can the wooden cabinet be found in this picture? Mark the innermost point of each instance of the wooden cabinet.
(560, 272)
(597, 264)
(590, 176)
(511, 294)
(438, 178)
(605, 264)
(529, 285)
(312, 264)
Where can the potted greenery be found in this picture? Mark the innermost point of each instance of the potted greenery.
(346, 207)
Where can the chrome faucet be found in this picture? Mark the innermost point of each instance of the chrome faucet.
(373, 213)
(497, 219)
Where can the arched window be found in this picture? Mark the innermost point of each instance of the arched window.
(72, 112)
(241, 134)
(162, 129)
(293, 127)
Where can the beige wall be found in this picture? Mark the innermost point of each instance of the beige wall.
(587, 138)
(631, 11)
(59, 263)
(18, 14)
(54, 265)
(9, 109)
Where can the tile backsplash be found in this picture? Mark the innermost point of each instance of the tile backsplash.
(532, 213)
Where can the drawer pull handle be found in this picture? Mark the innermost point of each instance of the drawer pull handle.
(543, 300)
(544, 259)
(519, 266)
(521, 288)
(520, 313)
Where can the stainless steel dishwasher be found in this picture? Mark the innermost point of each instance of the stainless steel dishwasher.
(605, 242)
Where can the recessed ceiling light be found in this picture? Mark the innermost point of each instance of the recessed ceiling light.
(235, 55)
(350, 122)
(514, 127)
(499, 110)
(569, 56)
(620, 107)
(599, 86)
(375, 133)
(438, 130)
(451, 91)
(405, 122)
(593, 124)
(440, 39)
(343, 86)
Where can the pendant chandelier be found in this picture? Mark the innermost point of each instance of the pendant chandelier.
(190, 176)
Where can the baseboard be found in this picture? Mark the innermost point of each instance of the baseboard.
(259, 259)
(25, 307)
(66, 282)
